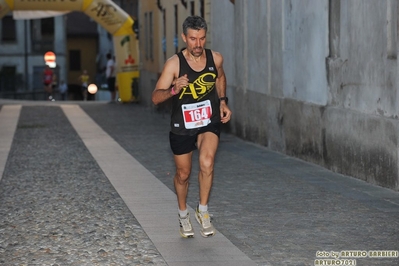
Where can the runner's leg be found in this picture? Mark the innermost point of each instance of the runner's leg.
(183, 170)
(207, 146)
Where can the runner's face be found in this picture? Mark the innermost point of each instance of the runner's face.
(195, 41)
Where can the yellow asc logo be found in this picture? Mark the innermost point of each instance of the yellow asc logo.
(200, 87)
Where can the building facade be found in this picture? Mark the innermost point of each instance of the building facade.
(314, 79)
(78, 42)
(23, 44)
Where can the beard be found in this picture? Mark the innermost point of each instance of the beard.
(197, 51)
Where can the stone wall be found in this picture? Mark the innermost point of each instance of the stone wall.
(316, 80)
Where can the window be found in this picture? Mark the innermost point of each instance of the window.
(47, 26)
(8, 29)
(146, 35)
(74, 60)
(392, 29)
(151, 37)
(175, 39)
(202, 8)
(42, 35)
(8, 78)
(192, 8)
(164, 46)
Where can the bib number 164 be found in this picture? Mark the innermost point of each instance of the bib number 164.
(197, 114)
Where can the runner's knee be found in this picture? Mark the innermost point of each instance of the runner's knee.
(207, 163)
(182, 176)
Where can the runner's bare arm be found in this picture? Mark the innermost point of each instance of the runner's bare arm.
(225, 112)
(163, 89)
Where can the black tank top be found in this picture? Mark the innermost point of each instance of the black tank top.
(197, 104)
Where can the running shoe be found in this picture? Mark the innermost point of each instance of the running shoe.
(186, 229)
(204, 220)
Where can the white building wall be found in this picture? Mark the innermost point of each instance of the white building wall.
(305, 48)
(224, 43)
(315, 79)
(368, 73)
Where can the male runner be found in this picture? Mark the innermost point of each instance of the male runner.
(195, 80)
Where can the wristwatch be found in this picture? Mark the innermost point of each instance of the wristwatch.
(224, 99)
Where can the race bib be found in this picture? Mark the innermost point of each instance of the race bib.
(197, 114)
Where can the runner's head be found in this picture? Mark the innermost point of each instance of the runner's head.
(194, 35)
(195, 23)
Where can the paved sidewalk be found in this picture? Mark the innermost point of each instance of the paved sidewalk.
(268, 208)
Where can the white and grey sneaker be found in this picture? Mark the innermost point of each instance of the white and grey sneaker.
(204, 220)
(186, 229)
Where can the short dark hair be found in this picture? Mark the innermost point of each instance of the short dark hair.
(195, 23)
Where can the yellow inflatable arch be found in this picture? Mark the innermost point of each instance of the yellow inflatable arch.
(109, 15)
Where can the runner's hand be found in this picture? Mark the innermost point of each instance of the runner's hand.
(180, 83)
(225, 112)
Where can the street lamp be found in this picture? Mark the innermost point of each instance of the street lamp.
(92, 89)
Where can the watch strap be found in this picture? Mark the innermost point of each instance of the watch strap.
(224, 99)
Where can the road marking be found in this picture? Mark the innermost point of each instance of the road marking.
(9, 116)
(152, 203)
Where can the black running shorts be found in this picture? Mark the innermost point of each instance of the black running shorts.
(182, 144)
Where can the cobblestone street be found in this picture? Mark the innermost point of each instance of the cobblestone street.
(68, 197)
